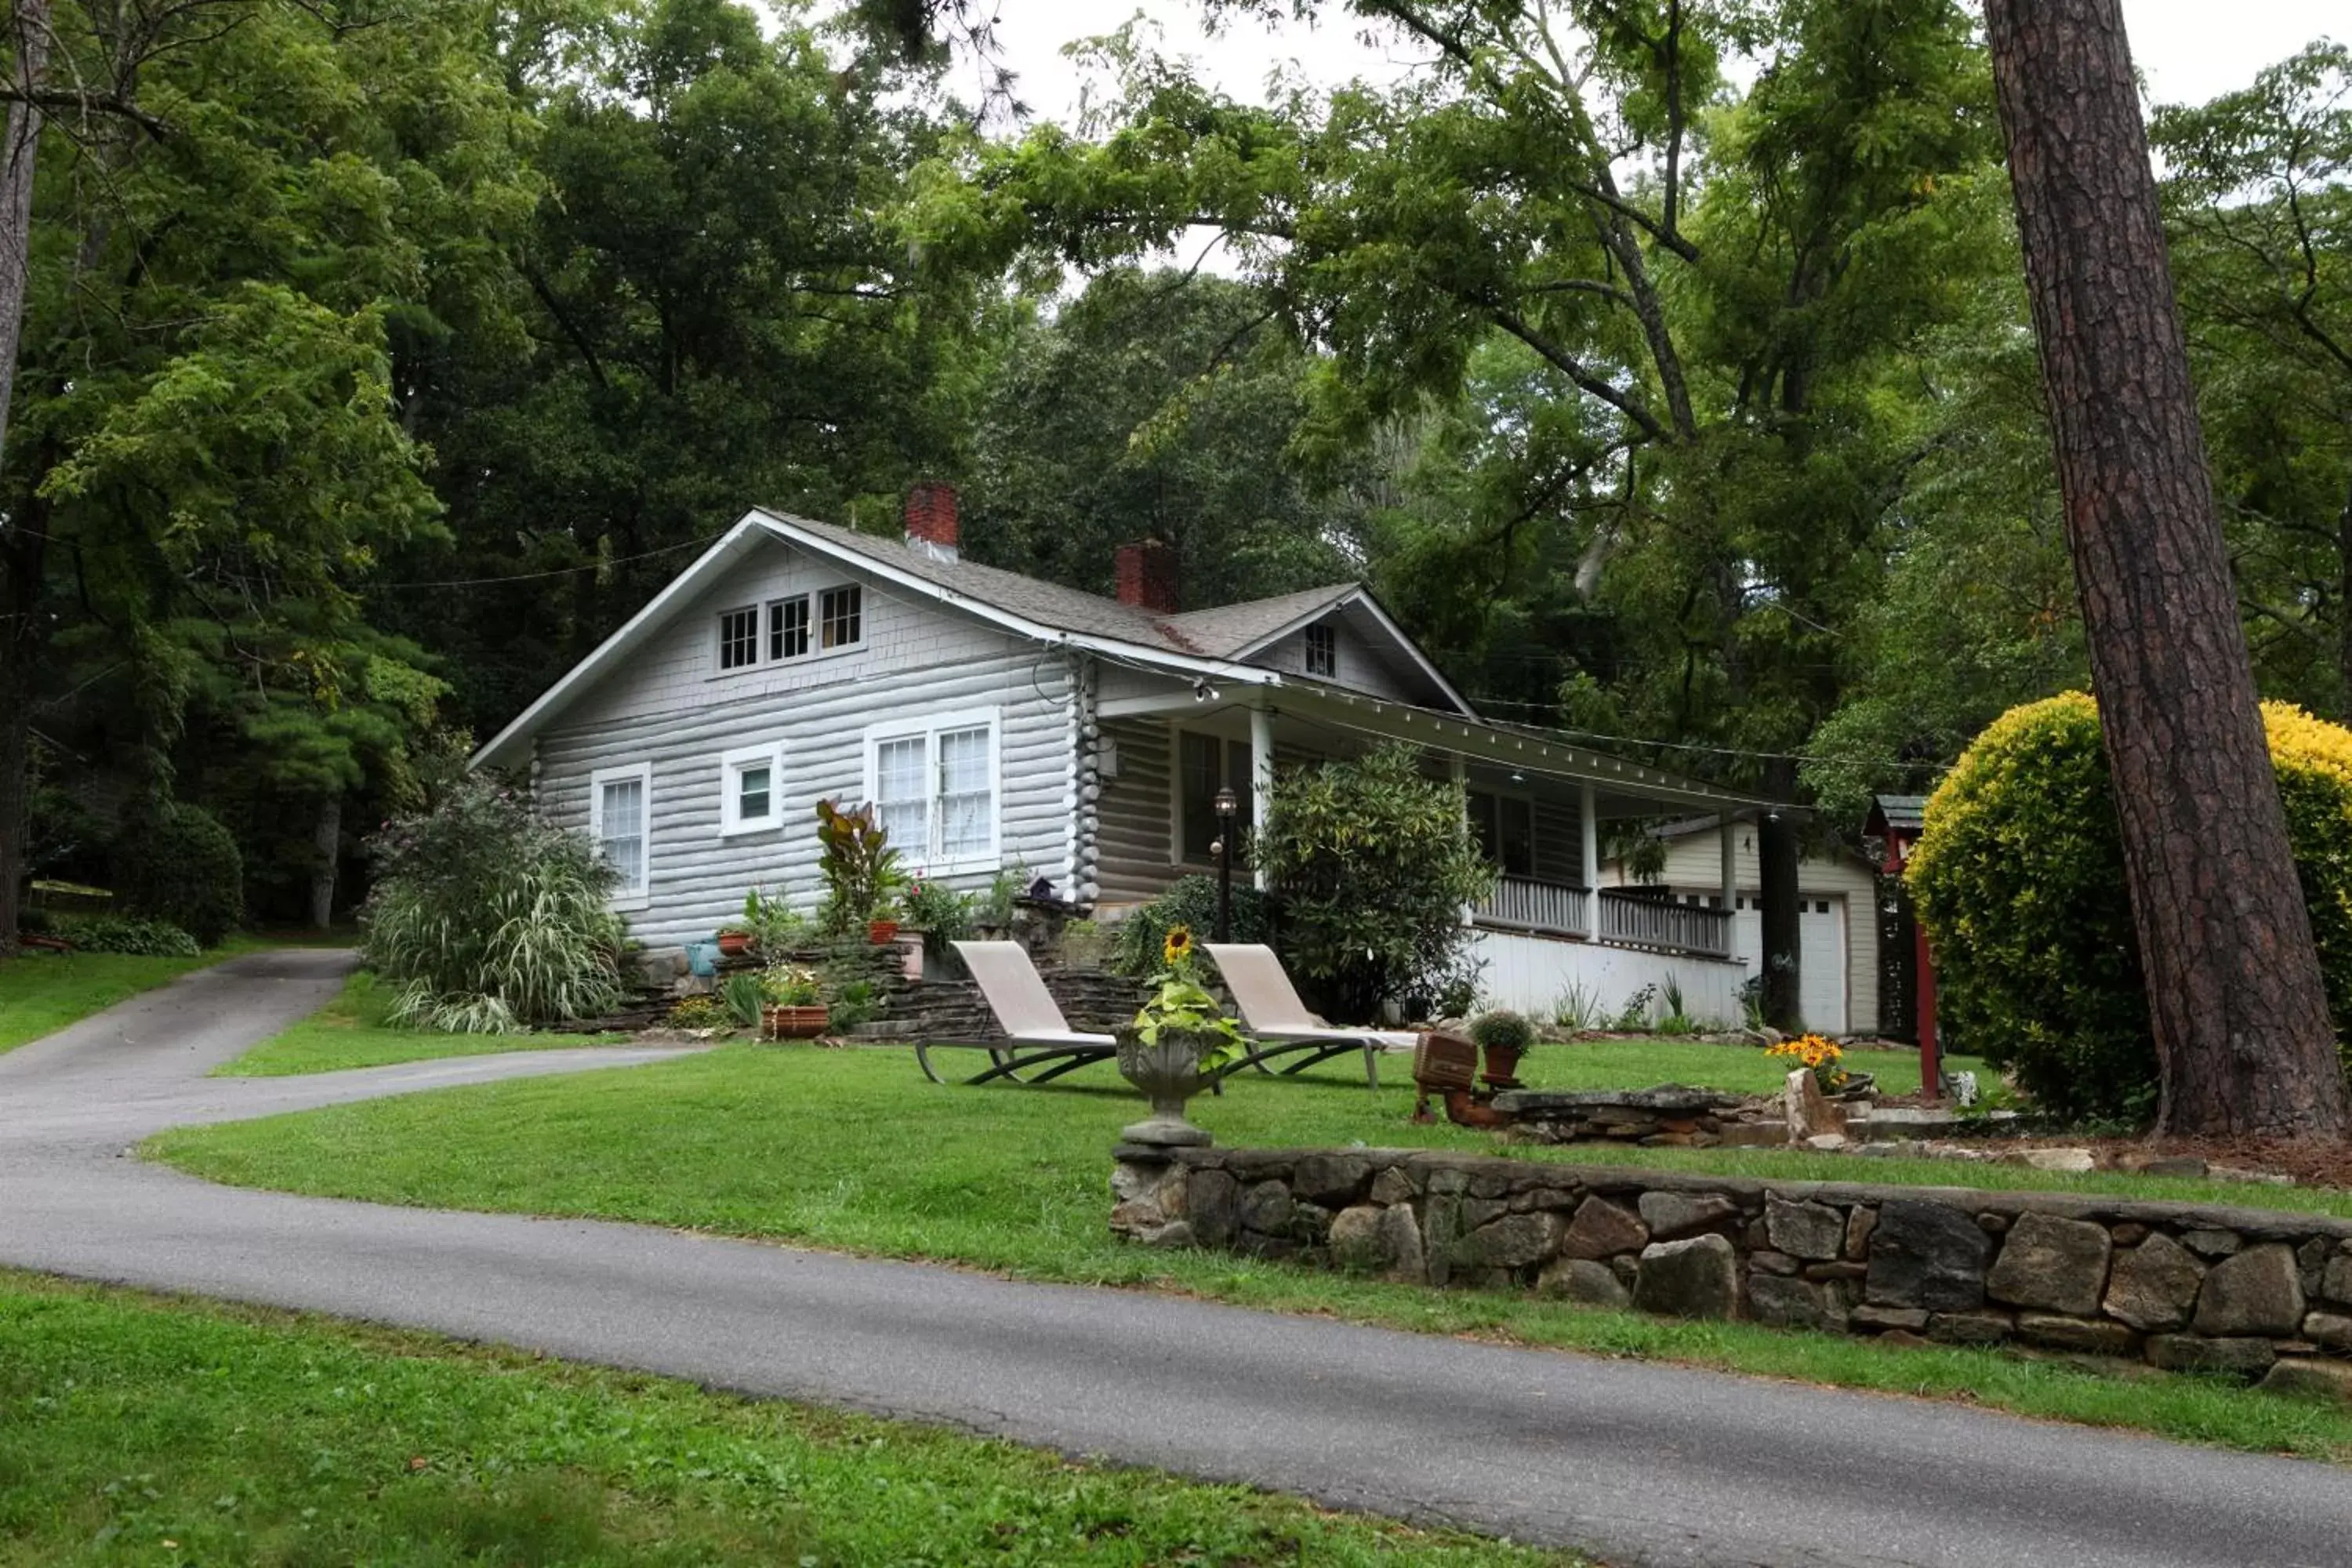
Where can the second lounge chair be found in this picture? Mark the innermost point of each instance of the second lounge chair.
(1274, 1014)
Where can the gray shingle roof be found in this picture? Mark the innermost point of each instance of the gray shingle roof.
(1213, 634)
(1224, 632)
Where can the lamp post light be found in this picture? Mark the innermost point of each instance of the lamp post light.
(1227, 808)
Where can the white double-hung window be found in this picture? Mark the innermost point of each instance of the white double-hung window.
(934, 784)
(752, 789)
(620, 819)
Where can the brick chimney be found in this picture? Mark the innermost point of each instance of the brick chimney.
(1147, 576)
(931, 527)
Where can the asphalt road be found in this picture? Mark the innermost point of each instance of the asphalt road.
(1638, 1463)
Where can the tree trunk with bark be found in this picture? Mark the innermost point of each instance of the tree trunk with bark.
(327, 839)
(27, 76)
(2236, 998)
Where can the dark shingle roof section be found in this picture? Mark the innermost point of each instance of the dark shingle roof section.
(1225, 632)
(1210, 633)
(1903, 813)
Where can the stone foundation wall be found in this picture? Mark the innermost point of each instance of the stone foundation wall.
(2182, 1286)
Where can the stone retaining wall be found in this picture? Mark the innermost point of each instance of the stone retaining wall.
(2182, 1286)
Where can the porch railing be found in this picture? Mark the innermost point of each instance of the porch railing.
(1522, 904)
(1659, 922)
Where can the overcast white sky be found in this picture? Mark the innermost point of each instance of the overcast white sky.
(2188, 50)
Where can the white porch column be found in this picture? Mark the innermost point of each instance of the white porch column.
(1587, 830)
(1261, 776)
(1730, 836)
(1458, 768)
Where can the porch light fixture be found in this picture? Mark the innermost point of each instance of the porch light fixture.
(1227, 806)
(1204, 692)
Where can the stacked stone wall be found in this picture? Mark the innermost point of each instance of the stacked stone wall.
(2186, 1287)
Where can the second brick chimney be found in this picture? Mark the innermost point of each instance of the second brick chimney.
(931, 528)
(1147, 576)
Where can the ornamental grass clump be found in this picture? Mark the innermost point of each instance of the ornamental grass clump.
(2020, 880)
(485, 920)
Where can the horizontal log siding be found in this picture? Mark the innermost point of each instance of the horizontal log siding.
(1132, 816)
(697, 878)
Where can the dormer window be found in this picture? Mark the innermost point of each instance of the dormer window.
(739, 638)
(1322, 651)
(843, 623)
(788, 628)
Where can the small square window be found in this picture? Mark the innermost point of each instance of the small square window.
(844, 616)
(788, 628)
(739, 638)
(750, 789)
(1322, 651)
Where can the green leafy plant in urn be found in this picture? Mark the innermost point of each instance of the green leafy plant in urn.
(1179, 1041)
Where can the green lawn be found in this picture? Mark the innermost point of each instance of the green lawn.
(852, 1150)
(349, 1032)
(41, 992)
(146, 1431)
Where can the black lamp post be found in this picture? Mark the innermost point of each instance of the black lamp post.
(1227, 806)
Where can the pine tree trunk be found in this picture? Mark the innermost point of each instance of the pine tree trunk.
(2235, 996)
(327, 841)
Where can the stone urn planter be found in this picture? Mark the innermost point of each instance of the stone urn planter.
(796, 1023)
(1168, 1073)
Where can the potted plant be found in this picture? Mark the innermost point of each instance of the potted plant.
(1504, 1035)
(882, 924)
(793, 1003)
(862, 874)
(1084, 944)
(1181, 1040)
(734, 939)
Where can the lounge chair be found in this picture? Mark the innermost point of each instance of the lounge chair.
(1035, 1031)
(1272, 1013)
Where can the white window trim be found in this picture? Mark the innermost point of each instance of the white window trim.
(731, 797)
(625, 898)
(808, 628)
(816, 620)
(720, 668)
(1307, 651)
(762, 647)
(924, 858)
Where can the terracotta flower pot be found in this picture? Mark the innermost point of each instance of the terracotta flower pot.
(796, 1023)
(733, 942)
(1503, 1066)
(881, 934)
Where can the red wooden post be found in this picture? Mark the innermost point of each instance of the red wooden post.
(1895, 821)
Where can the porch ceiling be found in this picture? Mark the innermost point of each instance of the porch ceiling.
(1622, 788)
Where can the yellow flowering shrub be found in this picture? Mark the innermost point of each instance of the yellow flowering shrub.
(2019, 878)
(1823, 1057)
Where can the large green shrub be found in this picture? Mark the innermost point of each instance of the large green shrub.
(486, 920)
(2019, 875)
(1373, 863)
(179, 865)
(117, 934)
(1191, 902)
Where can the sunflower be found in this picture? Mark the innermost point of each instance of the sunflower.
(1178, 947)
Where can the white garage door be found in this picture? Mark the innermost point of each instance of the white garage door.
(1821, 956)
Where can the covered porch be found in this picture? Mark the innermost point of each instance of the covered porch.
(1537, 804)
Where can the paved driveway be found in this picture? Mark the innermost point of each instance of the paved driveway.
(1640, 1464)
